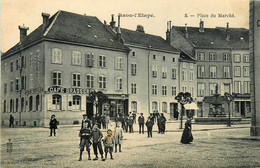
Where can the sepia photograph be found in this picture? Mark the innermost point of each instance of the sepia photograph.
(129, 84)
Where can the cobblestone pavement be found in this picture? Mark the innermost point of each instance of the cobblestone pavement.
(32, 147)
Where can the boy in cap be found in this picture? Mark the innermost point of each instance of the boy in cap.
(108, 142)
(97, 136)
(85, 135)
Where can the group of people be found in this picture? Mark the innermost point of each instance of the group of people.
(91, 135)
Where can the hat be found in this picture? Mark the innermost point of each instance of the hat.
(141, 113)
(53, 115)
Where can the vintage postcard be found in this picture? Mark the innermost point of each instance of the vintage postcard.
(114, 83)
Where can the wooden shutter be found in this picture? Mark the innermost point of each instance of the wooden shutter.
(83, 102)
(49, 102)
(64, 102)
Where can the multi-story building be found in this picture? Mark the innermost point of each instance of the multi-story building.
(215, 50)
(54, 68)
(153, 71)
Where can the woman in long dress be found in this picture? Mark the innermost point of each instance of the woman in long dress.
(187, 135)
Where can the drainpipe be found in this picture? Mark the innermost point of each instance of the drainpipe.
(232, 79)
(149, 50)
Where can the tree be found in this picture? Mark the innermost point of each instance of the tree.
(98, 98)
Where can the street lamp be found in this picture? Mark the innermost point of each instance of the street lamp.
(229, 98)
(183, 98)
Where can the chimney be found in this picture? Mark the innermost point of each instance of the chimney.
(112, 23)
(140, 28)
(186, 31)
(23, 33)
(45, 20)
(201, 26)
(118, 33)
(168, 32)
(228, 32)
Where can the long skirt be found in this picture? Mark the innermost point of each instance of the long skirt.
(186, 136)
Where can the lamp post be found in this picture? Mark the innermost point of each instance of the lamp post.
(229, 98)
(183, 98)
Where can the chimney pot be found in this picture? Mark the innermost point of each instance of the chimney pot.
(112, 23)
(140, 28)
(228, 32)
(23, 33)
(201, 26)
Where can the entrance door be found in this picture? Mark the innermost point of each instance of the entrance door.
(89, 109)
(174, 110)
(171, 110)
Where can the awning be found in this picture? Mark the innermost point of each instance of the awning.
(191, 106)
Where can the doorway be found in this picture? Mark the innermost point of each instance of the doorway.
(89, 110)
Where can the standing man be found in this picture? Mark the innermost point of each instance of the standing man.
(11, 121)
(163, 123)
(159, 124)
(53, 125)
(149, 124)
(141, 123)
(130, 123)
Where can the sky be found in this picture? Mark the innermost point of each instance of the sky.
(28, 13)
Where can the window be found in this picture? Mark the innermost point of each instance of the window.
(184, 89)
(56, 78)
(22, 104)
(155, 107)
(237, 88)
(246, 58)
(119, 63)
(119, 83)
(76, 80)
(213, 71)
(102, 61)
(5, 106)
(11, 66)
(226, 72)
(154, 70)
(164, 90)
(154, 89)
(5, 88)
(201, 71)
(184, 65)
(102, 82)
(173, 59)
(76, 58)
(11, 105)
(76, 102)
(154, 57)
(23, 63)
(246, 71)
(89, 59)
(200, 57)
(184, 75)
(212, 88)
(37, 102)
(133, 88)
(226, 57)
(31, 81)
(163, 58)
(133, 54)
(246, 87)
(201, 89)
(56, 102)
(90, 81)
(134, 106)
(16, 104)
(226, 88)
(191, 75)
(173, 73)
(133, 68)
(174, 92)
(17, 64)
(212, 56)
(237, 58)
(30, 103)
(31, 58)
(164, 107)
(191, 65)
(11, 86)
(56, 56)
(22, 82)
(17, 84)
(192, 91)
(237, 70)
(164, 72)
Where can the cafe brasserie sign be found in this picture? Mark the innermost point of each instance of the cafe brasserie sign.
(69, 90)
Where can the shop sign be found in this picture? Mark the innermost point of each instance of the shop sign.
(33, 91)
(69, 90)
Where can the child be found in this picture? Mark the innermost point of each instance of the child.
(85, 124)
(85, 135)
(109, 143)
(118, 137)
(97, 136)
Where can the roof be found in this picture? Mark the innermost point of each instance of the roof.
(186, 57)
(216, 37)
(146, 40)
(71, 27)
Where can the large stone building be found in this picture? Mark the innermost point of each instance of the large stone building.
(222, 60)
(254, 37)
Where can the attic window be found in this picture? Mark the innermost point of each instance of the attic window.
(241, 38)
(95, 36)
(211, 43)
(89, 26)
